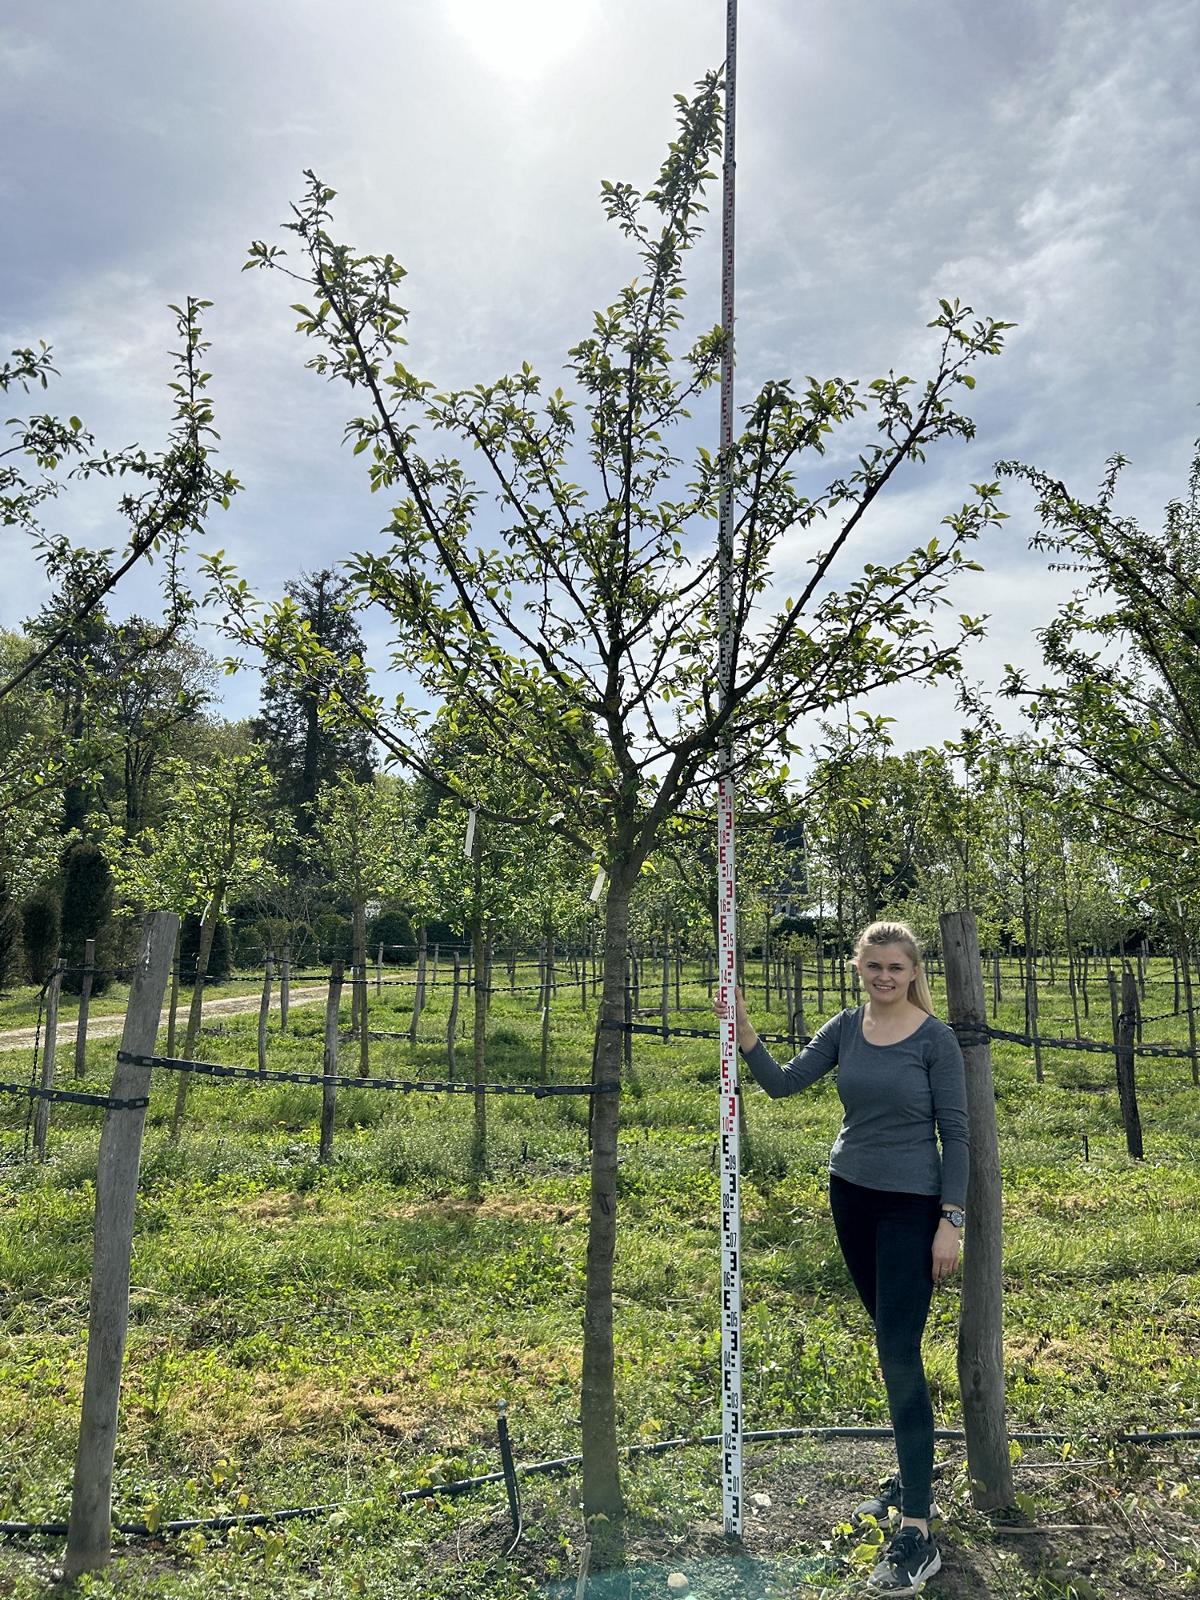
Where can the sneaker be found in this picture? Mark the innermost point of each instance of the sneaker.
(910, 1559)
(877, 1505)
(888, 1499)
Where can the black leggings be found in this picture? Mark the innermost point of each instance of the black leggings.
(887, 1240)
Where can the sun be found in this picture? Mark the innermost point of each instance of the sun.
(520, 38)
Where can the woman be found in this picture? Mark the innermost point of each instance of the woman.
(897, 1205)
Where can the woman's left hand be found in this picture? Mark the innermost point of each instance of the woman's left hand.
(947, 1242)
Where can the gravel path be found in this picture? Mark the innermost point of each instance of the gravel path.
(110, 1027)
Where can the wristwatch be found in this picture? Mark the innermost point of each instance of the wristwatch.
(954, 1217)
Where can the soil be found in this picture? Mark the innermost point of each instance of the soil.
(1083, 1543)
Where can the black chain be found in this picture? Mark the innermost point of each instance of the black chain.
(75, 1097)
(218, 1069)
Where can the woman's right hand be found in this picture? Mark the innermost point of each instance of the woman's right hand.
(746, 1035)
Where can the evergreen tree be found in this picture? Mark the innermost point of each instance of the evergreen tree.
(303, 753)
(40, 933)
(87, 900)
(9, 933)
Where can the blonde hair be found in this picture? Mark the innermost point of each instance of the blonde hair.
(881, 933)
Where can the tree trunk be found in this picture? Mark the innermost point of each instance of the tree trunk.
(481, 960)
(598, 1416)
(208, 929)
(981, 1327)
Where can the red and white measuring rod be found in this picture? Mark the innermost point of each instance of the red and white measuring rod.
(731, 1226)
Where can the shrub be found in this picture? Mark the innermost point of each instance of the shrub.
(335, 937)
(391, 928)
(220, 957)
(41, 928)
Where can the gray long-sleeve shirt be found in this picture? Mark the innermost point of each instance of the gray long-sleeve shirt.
(894, 1097)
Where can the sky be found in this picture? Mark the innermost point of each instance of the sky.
(1037, 160)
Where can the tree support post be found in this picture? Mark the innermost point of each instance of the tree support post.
(285, 986)
(85, 1000)
(41, 1116)
(329, 1066)
(89, 1535)
(981, 1327)
(1126, 1034)
(264, 1009)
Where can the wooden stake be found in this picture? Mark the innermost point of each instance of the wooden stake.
(85, 998)
(333, 1006)
(89, 1536)
(981, 1328)
(41, 1115)
(264, 1009)
(1126, 1034)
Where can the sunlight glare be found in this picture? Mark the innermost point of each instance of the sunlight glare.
(520, 38)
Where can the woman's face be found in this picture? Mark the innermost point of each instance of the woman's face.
(886, 971)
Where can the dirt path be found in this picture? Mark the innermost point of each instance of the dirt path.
(110, 1027)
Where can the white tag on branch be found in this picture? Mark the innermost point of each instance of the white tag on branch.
(598, 886)
(469, 842)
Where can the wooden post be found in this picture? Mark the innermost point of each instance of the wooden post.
(996, 995)
(329, 1063)
(89, 1536)
(1126, 1034)
(452, 1019)
(666, 982)
(364, 1033)
(798, 1027)
(627, 1036)
(419, 991)
(85, 999)
(285, 986)
(173, 1012)
(264, 1009)
(379, 970)
(41, 1115)
(981, 1327)
(1185, 973)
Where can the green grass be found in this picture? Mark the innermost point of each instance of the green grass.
(303, 1334)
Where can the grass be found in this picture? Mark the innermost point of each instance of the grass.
(305, 1335)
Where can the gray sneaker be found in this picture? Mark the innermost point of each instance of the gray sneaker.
(887, 1499)
(877, 1505)
(910, 1560)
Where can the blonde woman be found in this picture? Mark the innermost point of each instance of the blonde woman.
(897, 1202)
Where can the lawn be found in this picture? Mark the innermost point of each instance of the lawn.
(304, 1335)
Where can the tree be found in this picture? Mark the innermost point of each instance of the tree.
(358, 839)
(173, 491)
(40, 933)
(1120, 710)
(155, 680)
(303, 750)
(221, 833)
(87, 900)
(10, 933)
(579, 625)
